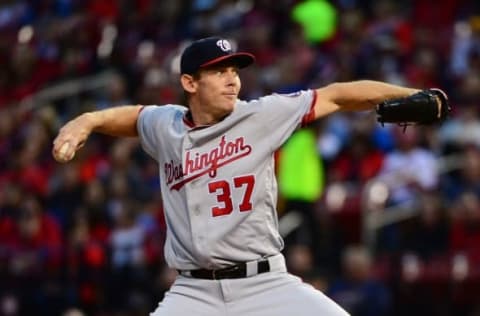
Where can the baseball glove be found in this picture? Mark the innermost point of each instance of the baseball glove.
(422, 108)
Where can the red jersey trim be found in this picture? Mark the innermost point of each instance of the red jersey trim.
(187, 121)
(310, 116)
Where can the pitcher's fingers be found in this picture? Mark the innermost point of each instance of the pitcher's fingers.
(80, 144)
(65, 149)
(63, 152)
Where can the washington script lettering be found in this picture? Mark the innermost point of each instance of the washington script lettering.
(197, 164)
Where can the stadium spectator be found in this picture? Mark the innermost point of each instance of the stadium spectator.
(357, 291)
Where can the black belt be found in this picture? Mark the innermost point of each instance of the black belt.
(233, 272)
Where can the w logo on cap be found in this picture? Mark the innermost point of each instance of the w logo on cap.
(224, 45)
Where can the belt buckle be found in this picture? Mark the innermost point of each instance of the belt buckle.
(214, 276)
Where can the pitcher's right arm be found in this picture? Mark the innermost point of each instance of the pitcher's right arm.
(118, 121)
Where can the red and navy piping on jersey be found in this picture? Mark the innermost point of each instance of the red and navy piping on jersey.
(310, 116)
(188, 120)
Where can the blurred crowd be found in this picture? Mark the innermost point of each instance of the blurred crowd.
(86, 238)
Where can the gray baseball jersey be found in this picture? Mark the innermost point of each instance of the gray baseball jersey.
(218, 182)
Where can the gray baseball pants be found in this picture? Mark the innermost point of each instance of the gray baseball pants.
(274, 293)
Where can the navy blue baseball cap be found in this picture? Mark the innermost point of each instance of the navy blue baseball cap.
(209, 51)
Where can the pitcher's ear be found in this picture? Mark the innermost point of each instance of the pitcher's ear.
(188, 83)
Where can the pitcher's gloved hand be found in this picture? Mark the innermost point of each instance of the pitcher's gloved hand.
(422, 108)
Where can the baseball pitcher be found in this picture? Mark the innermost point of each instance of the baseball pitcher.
(216, 166)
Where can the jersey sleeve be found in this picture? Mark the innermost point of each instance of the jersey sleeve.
(281, 114)
(149, 124)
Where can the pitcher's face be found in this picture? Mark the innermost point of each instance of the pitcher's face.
(216, 88)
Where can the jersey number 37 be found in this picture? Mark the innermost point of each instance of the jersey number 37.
(223, 190)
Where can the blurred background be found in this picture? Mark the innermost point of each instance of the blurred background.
(384, 221)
